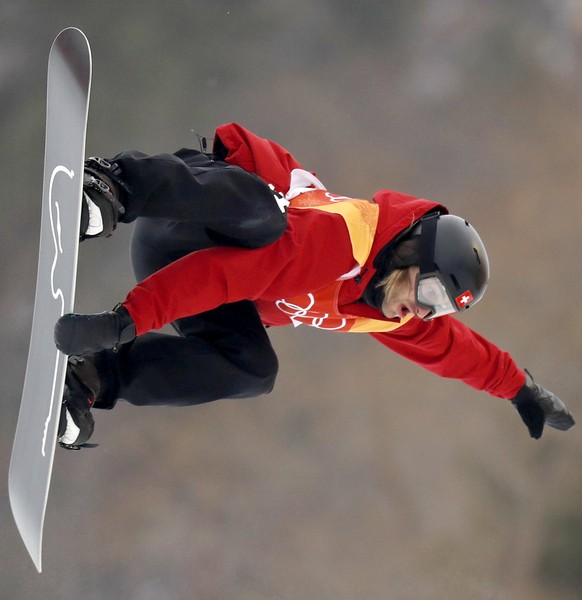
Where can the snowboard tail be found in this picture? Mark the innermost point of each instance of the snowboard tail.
(68, 88)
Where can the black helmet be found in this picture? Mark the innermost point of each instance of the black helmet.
(454, 268)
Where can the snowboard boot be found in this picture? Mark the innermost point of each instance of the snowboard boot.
(102, 205)
(82, 388)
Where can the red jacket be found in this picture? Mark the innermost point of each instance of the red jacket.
(315, 252)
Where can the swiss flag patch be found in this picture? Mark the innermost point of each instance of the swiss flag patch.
(464, 299)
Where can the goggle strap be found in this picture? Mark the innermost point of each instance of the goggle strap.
(427, 242)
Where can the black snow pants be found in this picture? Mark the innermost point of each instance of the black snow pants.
(181, 203)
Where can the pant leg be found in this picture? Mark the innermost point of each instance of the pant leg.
(192, 190)
(224, 353)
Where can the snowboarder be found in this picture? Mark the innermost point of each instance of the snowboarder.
(228, 242)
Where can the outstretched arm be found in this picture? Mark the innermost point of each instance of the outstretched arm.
(448, 348)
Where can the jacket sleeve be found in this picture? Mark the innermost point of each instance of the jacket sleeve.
(203, 280)
(270, 161)
(448, 348)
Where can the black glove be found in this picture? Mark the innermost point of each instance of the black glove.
(86, 334)
(537, 406)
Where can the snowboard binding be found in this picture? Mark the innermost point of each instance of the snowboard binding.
(82, 387)
(101, 208)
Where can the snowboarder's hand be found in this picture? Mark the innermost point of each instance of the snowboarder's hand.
(537, 406)
(86, 334)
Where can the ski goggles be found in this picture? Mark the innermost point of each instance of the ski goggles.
(431, 294)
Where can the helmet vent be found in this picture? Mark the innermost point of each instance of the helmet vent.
(455, 281)
(477, 255)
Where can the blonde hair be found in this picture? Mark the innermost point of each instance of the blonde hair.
(392, 281)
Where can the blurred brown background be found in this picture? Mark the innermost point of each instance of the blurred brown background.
(360, 476)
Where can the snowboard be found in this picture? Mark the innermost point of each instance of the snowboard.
(68, 87)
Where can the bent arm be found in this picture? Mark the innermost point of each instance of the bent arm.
(298, 262)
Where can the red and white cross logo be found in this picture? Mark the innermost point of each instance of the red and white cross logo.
(464, 299)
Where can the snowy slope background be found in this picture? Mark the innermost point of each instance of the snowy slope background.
(360, 476)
